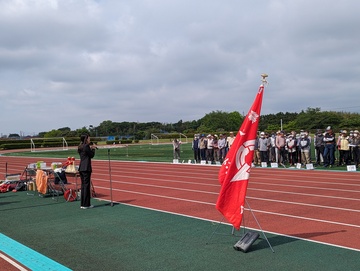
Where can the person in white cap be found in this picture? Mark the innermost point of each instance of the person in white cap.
(264, 145)
(319, 146)
(343, 147)
(222, 148)
(230, 140)
(195, 147)
(291, 144)
(202, 147)
(176, 148)
(210, 149)
(351, 136)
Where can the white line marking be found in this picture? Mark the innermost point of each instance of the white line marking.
(12, 262)
(225, 223)
(310, 187)
(159, 196)
(259, 211)
(307, 218)
(306, 204)
(303, 194)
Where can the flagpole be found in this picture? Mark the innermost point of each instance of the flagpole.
(264, 83)
(235, 171)
(241, 243)
(263, 79)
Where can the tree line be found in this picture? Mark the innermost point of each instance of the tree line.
(310, 119)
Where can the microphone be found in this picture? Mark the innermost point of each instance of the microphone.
(92, 143)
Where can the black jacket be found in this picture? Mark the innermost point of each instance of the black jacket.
(86, 153)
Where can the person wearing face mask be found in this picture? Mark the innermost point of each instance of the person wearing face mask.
(319, 146)
(280, 142)
(351, 157)
(305, 148)
(343, 147)
(272, 152)
(291, 146)
(329, 151)
(355, 142)
(264, 144)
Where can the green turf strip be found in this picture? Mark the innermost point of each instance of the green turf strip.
(129, 238)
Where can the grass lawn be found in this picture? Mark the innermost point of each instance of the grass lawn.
(135, 152)
(144, 152)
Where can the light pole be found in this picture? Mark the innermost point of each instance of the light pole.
(92, 128)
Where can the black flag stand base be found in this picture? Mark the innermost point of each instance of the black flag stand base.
(248, 237)
(111, 203)
(257, 222)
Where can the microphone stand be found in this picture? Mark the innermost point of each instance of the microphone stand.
(111, 198)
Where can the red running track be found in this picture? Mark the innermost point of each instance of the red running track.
(323, 206)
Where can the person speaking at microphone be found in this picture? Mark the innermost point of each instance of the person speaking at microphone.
(86, 151)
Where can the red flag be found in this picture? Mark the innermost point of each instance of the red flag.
(235, 170)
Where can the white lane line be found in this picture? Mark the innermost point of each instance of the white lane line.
(10, 261)
(305, 204)
(309, 187)
(307, 218)
(213, 204)
(159, 196)
(303, 194)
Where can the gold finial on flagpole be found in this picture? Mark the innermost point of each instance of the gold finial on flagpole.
(263, 79)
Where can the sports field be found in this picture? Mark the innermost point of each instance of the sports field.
(165, 219)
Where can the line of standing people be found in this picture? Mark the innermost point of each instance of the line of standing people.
(295, 148)
(211, 148)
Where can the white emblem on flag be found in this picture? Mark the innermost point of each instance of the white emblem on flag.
(253, 116)
(241, 164)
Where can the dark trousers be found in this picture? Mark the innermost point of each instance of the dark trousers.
(292, 158)
(343, 157)
(356, 155)
(329, 154)
(264, 156)
(203, 154)
(222, 155)
(197, 155)
(85, 177)
(281, 155)
(319, 153)
(210, 155)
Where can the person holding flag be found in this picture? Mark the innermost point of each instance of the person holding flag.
(235, 170)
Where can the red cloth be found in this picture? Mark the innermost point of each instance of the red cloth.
(235, 170)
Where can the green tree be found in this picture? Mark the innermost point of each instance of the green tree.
(221, 121)
(350, 121)
(53, 133)
(234, 121)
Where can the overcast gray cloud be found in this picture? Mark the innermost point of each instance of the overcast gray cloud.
(67, 63)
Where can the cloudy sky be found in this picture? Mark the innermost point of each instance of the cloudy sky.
(75, 63)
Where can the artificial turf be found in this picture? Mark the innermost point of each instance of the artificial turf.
(124, 237)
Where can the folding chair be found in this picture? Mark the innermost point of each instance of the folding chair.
(69, 194)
